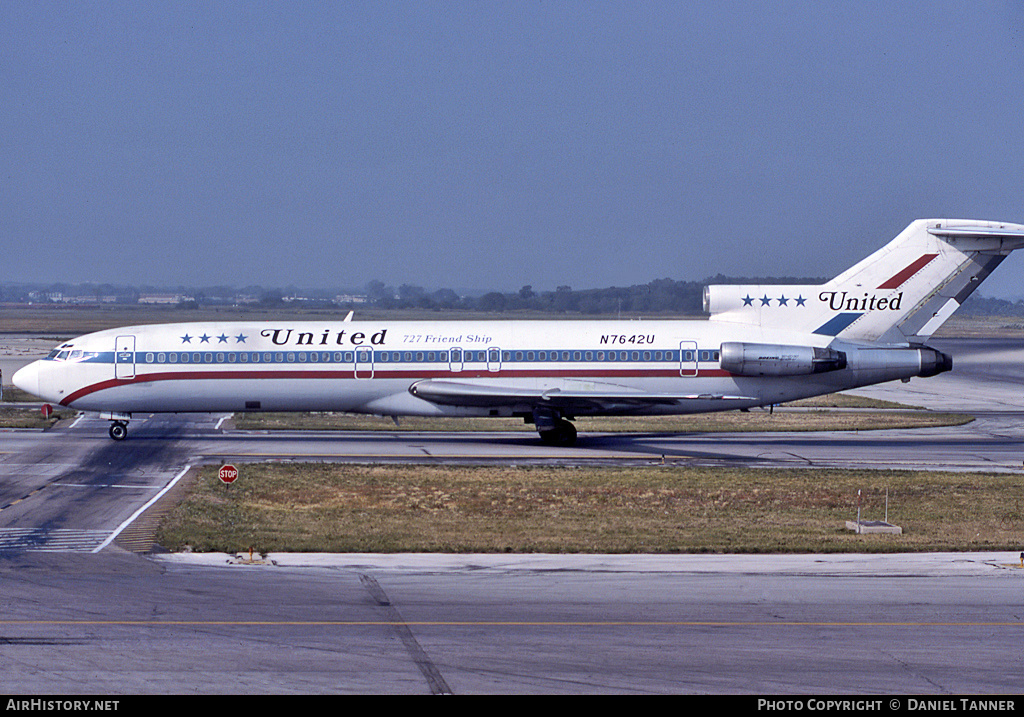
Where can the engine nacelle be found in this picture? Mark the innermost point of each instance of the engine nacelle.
(743, 359)
(888, 362)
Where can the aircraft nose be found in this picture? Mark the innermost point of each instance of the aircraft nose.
(27, 378)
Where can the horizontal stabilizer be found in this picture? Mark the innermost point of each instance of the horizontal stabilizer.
(1013, 232)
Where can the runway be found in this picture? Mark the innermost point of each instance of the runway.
(81, 615)
(116, 623)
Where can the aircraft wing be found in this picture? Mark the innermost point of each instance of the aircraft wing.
(455, 393)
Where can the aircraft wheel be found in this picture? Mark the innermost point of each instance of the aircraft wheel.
(118, 430)
(563, 434)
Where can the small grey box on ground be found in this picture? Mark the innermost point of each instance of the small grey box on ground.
(873, 526)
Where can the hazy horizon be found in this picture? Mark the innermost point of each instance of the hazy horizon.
(494, 145)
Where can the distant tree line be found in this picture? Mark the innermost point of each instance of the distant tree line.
(662, 295)
(655, 297)
(982, 306)
(658, 296)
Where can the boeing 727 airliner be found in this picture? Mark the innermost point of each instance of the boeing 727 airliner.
(761, 345)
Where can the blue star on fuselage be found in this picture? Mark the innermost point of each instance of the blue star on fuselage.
(782, 299)
(241, 338)
(186, 339)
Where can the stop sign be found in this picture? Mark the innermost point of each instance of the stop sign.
(227, 474)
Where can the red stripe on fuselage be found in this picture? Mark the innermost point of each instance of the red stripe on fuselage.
(902, 276)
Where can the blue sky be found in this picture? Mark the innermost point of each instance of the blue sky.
(491, 144)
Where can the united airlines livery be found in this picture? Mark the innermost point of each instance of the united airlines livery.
(763, 344)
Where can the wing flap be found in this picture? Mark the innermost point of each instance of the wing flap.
(455, 393)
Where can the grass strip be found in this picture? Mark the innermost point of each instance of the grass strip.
(816, 419)
(324, 507)
(13, 417)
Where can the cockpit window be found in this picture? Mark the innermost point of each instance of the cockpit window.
(65, 353)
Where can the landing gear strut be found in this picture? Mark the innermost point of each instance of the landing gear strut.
(118, 430)
(553, 429)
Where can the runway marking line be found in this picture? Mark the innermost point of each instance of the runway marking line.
(486, 623)
(24, 497)
(105, 485)
(143, 509)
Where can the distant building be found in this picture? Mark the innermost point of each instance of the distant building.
(164, 298)
(54, 297)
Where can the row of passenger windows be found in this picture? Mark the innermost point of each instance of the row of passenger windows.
(489, 356)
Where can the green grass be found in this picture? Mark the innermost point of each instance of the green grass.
(13, 417)
(13, 394)
(730, 421)
(320, 507)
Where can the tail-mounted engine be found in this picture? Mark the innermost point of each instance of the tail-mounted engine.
(880, 363)
(743, 359)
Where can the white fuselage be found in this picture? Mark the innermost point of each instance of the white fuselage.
(369, 367)
(764, 344)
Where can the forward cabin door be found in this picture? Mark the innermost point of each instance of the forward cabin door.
(124, 357)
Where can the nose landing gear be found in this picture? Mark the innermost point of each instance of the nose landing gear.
(118, 424)
(118, 430)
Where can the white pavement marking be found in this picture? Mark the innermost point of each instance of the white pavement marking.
(143, 509)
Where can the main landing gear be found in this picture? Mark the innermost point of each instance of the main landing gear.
(553, 428)
(563, 434)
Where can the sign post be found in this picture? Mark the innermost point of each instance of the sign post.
(228, 474)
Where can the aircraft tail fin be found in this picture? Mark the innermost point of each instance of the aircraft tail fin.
(901, 294)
